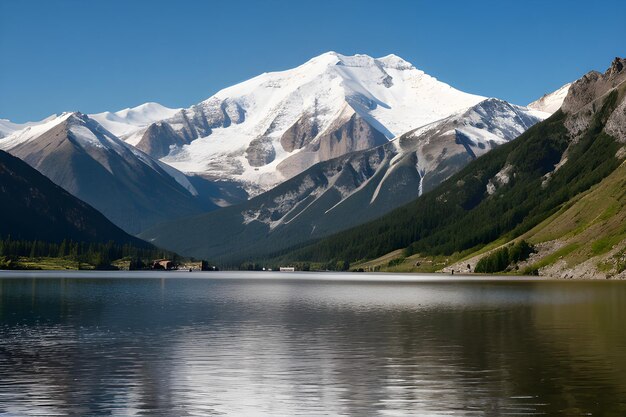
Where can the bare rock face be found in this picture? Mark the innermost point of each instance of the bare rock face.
(349, 133)
(616, 125)
(583, 91)
(260, 152)
(356, 187)
(200, 120)
(580, 102)
(353, 135)
(195, 123)
(158, 139)
(300, 133)
(594, 85)
(233, 111)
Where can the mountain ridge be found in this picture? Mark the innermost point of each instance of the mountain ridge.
(129, 187)
(351, 189)
(509, 191)
(34, 208)
(273, 126)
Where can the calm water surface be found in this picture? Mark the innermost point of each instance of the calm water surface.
(169, 345)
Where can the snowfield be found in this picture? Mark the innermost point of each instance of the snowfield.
(264, 131)
(551, 102)
(390, 94)
(127, 121)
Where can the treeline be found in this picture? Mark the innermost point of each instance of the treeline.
(98, 255)
(499, 260)
(299, 266)
(460, 216)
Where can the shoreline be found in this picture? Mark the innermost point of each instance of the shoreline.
(374, 277)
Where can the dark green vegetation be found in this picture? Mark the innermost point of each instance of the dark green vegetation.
(499, 260)
(339, 193)
(130, 189)
(43, 226)
(33, 208)
(462, 216)
(25, 254)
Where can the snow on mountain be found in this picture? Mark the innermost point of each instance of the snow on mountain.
(30, 132)
(550, 103)
(88, 134)
(125, 122)
(7, 127)
(83, 131)
(128, 186)
(342, 192)
(273, 126)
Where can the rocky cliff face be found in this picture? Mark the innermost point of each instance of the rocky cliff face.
(290, 120)
(158, 140)
(349, 133)
(616, 125)
(301, 133)
(580, 102)
(350, 189)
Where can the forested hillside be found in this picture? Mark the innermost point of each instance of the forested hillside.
(502, 194)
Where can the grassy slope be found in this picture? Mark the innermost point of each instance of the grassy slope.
(585, 237)
(589, 232)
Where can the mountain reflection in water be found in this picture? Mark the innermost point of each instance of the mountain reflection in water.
(171, 346)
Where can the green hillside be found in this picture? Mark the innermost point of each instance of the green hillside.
(587, 236)
(516, 190)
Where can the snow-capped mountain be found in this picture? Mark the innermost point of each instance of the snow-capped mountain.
(7, 127)
(125, 122)
(269, 128)
(256, 135)
(126, 185)
(551, 102)
(349, 190)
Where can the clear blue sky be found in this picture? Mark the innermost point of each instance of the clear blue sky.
(94, 56)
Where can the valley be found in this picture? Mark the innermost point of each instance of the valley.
(353, 160)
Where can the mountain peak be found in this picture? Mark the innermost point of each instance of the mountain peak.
(265, 129)
(130, 119)
(395, 62)
(616, 67)
(391, 61)
(593, 85)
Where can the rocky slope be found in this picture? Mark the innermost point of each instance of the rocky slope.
(274, 126)
(560, 185)
(349, 190)
(130, 188)
(586, 238)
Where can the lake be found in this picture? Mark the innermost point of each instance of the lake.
(245, 344)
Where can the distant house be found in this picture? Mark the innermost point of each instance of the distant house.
(164, 264)
(197, 266)
(192, 266)
(287, 269)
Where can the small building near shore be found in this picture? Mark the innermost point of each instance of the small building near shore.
(164, 264)
(197, 266)
(287, 269)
